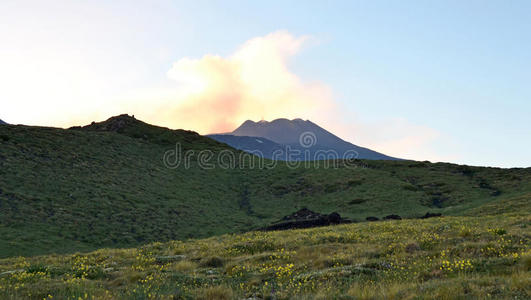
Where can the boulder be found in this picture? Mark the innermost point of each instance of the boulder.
(431, 215)
(305, 218)
(334, 218)
(392, 217)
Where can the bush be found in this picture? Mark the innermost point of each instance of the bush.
(36, 268)
(213, 262)
(215, 293)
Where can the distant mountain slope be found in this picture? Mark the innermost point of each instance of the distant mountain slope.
(313, 141)
(107, 185)
(259, 146)
(2, 122)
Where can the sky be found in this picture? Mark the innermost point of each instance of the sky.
(426, 80)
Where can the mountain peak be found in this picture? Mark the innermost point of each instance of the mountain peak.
(290, 132)
(281, 130)
(248, 122)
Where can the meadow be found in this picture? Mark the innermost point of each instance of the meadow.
(437, 258)
(106, 186)
(95, 213)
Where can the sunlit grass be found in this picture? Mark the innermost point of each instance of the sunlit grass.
(444, 258)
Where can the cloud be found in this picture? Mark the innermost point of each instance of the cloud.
(215, 94)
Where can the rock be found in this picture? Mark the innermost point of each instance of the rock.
(301, 214)
(431, 215)
(334, 218)
(372, 219)
(392, 217)
(305, 218)
(115, 124)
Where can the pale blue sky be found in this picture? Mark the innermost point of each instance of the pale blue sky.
(459, 68)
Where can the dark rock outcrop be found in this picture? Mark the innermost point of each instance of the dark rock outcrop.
(392, 217)
(372, 219)
(306, 218)
(431, 215)
(114, 124)
(302, 214)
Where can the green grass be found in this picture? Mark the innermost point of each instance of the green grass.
(63, 191)
(439, 258)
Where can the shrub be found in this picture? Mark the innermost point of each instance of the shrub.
(215, 293)
(36, 268)
(212, 262)
(184, 266)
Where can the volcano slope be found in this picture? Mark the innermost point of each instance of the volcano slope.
(107, 185)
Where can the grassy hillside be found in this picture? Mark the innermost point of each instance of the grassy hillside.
(105, 185)
(439, 258)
